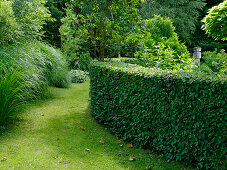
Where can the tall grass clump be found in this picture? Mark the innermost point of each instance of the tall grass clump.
(16, 87)
(25, 72)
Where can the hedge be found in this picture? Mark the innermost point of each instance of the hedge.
(179, 114)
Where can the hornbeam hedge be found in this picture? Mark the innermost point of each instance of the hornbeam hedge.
(179, 114)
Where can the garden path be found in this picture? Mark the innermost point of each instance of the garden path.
(60, 133)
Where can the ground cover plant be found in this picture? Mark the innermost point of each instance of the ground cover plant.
(25, 71)
(60, 133)
(179, 114)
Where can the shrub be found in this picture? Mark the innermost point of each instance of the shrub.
(84, 62)
(159, 46)
(179, 114)
(21, 20)
(78, 76)
(25, 72)
(9, 28)
(216, 61)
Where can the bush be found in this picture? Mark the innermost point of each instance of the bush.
(79, 76)
(25, 72)
(84, 62)
(159, 46)
(9, 28)
(215, 61)
(179, 114)
(22, 20)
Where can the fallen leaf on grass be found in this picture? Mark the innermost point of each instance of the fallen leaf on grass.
(65, 162)
(118, 142)
(82, 128)
(132, 158)
(150, 167)
(4, 159)
(129, 146)
(101, 141)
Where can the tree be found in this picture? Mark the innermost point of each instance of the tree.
(215, 23)
(183, 13)
(51, 29)
(99, 24)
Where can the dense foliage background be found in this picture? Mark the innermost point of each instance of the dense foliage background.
(186, 16)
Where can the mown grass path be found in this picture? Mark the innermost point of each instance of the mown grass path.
(51, 135)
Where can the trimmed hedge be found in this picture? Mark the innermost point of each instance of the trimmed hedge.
(124, 60)
(179, 114)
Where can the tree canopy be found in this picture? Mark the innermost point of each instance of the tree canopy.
(183, 13)
(215, 23)
(99, 23)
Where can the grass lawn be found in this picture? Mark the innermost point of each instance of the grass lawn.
(60, 133)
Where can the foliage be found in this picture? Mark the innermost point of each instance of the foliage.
(54, 65)
(25, 71)
(16, 87)
(99, 26)
(73, 39)
(124, 60)
(84, 62)
(215, 61)
(200, 38)
(159, 46)
(9, 28)
(21, 20)
(179, 114)
(78, 76)
(51, 29)
(184, 14)
(215, 23)
(31, 15)
(205, 68)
